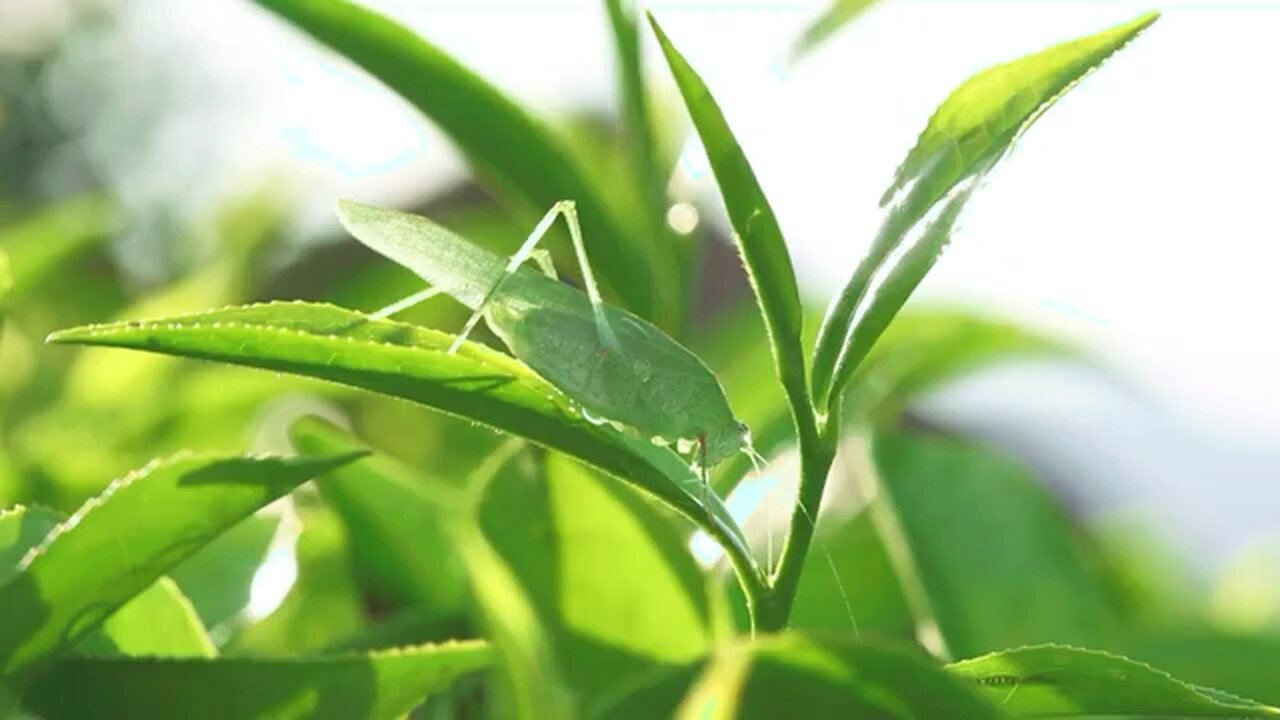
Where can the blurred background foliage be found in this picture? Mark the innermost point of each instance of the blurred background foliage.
(920, 522)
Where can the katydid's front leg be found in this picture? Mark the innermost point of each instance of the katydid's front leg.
(405, 303)
(527, 250)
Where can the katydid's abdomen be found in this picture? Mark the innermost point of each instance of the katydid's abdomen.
(648, 382)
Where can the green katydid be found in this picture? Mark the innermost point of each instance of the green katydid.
(617, 367)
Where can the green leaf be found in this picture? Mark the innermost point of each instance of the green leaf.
(1054, 680)
(123, 540)
(982, 550)
(157, 622)
(635, 109)
(613, 584)
(392, 514)
(385, 684)
(780, 675)
(759, 238)
(551, 539)
(22, 528)
(531, 677)
(968, 134)
(6, 280)
(217, 577)
(534, 685)
(838, 14)
(38, 245)
(322, 607)
(413, 363)
(899, 283)
(1244, 664)
(503, 142)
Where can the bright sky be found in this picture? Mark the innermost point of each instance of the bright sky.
(1136, 216)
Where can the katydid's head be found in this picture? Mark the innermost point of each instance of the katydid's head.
(728, 440)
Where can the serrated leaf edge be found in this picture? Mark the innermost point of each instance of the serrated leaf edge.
(1196, 689)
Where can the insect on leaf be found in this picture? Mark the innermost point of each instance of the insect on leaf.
(502, 140)
(331, 343)
(1059, 681)
(968, 134)
(758, 235)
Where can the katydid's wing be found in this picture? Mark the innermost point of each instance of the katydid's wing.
(459, 268)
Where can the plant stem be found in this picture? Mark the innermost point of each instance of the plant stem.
(817, 451)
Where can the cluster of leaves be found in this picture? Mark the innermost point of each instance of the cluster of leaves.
(544, 571)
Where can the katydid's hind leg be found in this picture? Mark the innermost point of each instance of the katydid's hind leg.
(527, 249)
(706, 475)
(405, 303)
(608, 339)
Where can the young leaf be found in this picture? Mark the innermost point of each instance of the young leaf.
(759, 238)
(123, 540)
(385, 684)
(838, 14)
(157, 622)
(972, 129)
(413, 363)
(774, 676)
(897, 286)
(1054, 680)
(501, 139)
(982, 550)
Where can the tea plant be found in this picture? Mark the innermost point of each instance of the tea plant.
(544, 571)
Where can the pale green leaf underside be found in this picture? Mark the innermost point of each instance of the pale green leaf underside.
(413, 363)
(384, 684)
(118, 543)
(1055, 680)
(973, 128)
